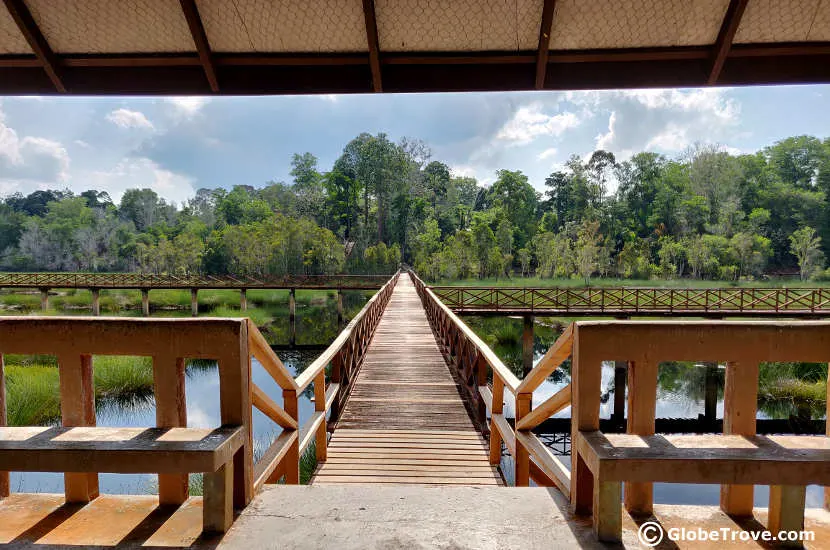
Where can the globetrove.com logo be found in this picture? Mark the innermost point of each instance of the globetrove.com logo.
(651, 534)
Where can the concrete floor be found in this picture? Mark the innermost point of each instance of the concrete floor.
(355, 516)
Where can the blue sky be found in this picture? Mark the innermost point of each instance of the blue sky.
(177, 145)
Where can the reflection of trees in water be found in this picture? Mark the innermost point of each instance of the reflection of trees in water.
(687, 379)
(315, 322)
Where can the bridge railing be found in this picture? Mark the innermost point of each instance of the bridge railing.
(344, 356)
(474, 362)
(170, 342)
(151, 281)
(638, 300)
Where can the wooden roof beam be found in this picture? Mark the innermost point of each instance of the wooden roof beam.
(26, 23)
(374, 45)
(544, 43)
(197, 30)
(728, 28)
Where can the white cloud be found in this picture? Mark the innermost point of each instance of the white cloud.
(141, 172)
(187, 106)
(547, 153)
(125, 118)
(30, 162)
(530, 122)
(664, 120)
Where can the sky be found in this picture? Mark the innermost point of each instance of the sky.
(177, 145)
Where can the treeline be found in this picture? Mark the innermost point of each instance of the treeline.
(706, 214)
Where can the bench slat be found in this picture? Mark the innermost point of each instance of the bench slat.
(117, 450)
(724, 459)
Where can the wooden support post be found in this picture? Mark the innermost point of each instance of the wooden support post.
(96, 301)
(194, 302)
(498, 408)
(642, 403)
(77, 409)
(243, 299)
(292, 458)
(786, 510)
(340, 315)
(321, 437)
(607, 517)
(336, 378)
(481, 380)
(527, 344)
(740, 402)
(217, 506)
(292, 306)
(620, 375)
(235, 408)
(44, 299)
(4, 476)
(524, 402)
(145, 302)
(586, 381)
(171, 412)
(710, 403)
(827, 427)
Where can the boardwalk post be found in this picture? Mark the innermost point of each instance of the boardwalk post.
(292, 458)
(740, 402)
(96, 301)
(339, 307)
(77, 409)
(527, 344)
(243, 299)
(171, 412)
(620, 375)
(4, 476)
(642, 404)
(145, 302)
(44, 299)
(827, 428)
(292, 306)
(710, 403)
(194, 302)
(524, 402)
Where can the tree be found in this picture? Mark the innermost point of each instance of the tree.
(587, 250)
(805, 246)
(524, 260)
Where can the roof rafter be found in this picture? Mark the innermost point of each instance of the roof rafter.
(728, 28)
(197, 29)
(544, 43)
(372, 40)
(28, 27)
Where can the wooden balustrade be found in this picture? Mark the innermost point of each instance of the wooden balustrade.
(473, 361)
(232, 343)
(632, 301)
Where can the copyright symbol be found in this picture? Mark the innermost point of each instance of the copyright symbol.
(650, 533)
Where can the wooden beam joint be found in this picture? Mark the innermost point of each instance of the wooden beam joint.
(197, 30)
(373, 43)
(728, 28)
(28, 27)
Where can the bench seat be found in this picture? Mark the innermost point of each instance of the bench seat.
(793, 462)
(129, 451)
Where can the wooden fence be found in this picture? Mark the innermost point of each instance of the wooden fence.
(232, 343)
(642, 301)
(149, 281)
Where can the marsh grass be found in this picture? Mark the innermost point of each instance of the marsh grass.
(260, 317)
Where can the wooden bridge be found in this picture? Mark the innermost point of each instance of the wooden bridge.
(406, 396)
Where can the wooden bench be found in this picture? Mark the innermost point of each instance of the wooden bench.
(792, 461)
(131, 451)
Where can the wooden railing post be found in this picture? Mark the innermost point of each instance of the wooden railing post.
(4, 476)
(320, 406)
(292, 458)
(77, 409)
(498, 408)
(337, 378)
(171, 412)
(827, 429)
(740, 403)
(642, 404)
(586, 383)
(524, 402)
(235, 390)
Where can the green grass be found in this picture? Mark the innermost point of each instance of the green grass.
(32, 394)
(260, 317)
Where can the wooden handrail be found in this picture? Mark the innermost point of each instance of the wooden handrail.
(555, 356)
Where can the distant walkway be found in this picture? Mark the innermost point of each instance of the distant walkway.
(405, 422)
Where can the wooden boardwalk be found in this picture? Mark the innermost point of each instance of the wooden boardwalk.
(405, 422)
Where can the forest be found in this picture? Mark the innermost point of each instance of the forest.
(706, 214)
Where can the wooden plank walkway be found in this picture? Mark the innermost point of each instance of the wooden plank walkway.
(405, 422)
